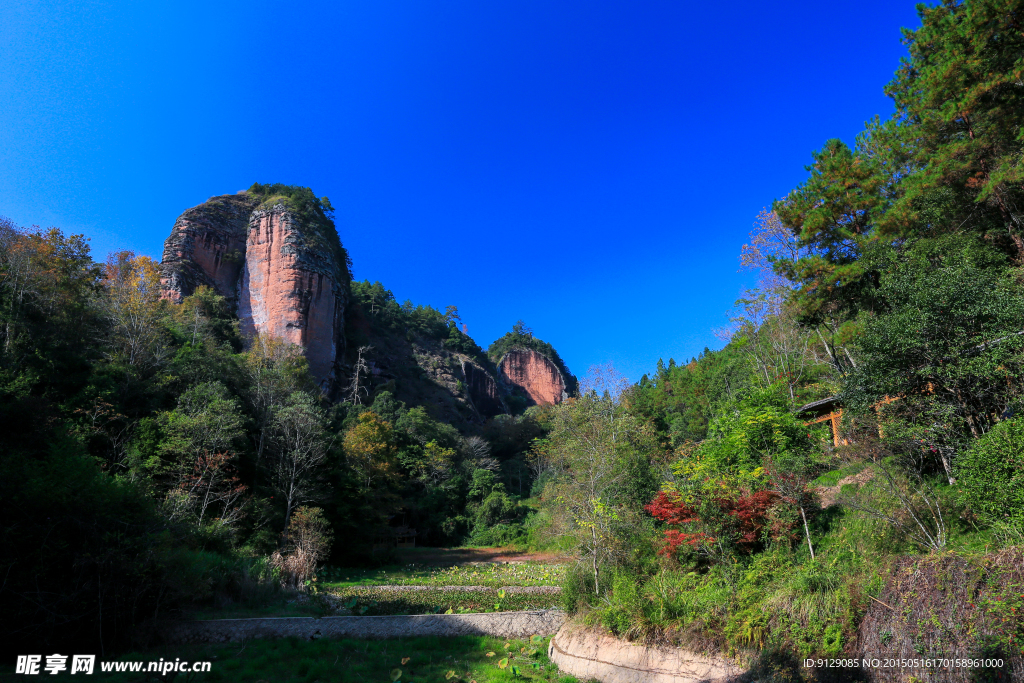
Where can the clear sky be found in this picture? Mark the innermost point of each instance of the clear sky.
(589, 167)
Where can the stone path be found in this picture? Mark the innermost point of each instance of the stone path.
(498, 624)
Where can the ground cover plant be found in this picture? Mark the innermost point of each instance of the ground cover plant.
(379, 600)
(492, 575)
(459, 659)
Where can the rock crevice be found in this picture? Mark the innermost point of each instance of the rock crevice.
(483, 390)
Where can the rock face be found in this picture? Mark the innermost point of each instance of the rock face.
(291, 288)
(535, 375)
(207, 247)
(285, 275)
(483, 391)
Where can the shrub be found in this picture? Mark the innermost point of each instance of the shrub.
(578, 588)
(713, 520)
(308, 541)
(624, 612)
(990, 475)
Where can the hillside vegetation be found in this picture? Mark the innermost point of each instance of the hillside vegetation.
(154, 463)
(708, 507)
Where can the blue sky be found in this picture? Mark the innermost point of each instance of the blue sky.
(589, 167)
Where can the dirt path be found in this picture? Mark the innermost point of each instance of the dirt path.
(447, 557)
(830, 494)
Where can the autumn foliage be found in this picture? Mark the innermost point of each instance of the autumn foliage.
(736, 520)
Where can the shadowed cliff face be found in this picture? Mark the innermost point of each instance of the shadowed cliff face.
(535, 375)
(290, 289)
(207, 247)
(278, 269)
(483, 391)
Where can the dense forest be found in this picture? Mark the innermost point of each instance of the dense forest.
(151, 458)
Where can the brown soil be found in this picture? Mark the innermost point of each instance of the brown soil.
(829, 494)
(447, 557)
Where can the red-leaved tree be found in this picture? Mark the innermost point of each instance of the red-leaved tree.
(713, 524)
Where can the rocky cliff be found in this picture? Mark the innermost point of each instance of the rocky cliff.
(483, 390)
(292, 287)
(207, 247)
(535, 375)
(273, 252)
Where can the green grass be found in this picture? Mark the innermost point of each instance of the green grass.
(360, 661)
(340, 582)
(832, 478)
(375, 602)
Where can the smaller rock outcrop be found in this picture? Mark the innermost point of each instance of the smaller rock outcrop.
(207, 247)
(535, 375)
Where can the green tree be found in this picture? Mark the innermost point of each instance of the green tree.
(370, 451)
(947, 162)
(202, 433)
(599, 453)
(959, 100)
(301, 444)
(949, 335)
(990, 475)
(132, 306)
(274, 370)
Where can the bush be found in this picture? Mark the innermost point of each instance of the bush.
(499, 535)
(990, 476)
(496, 508)
(308, 542)
(624, 611)
(578, 587)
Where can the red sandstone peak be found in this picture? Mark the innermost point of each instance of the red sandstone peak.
(278, 268)
(535, 374)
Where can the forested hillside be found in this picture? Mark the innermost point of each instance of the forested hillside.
(714, 505)
(153, 458)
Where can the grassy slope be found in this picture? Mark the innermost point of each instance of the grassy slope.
(868, 591)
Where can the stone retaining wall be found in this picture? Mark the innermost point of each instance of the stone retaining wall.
(500, 624)
(587, 653)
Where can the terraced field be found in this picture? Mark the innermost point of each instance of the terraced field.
(467, 585)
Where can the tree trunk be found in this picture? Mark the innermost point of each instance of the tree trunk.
(807, 531)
